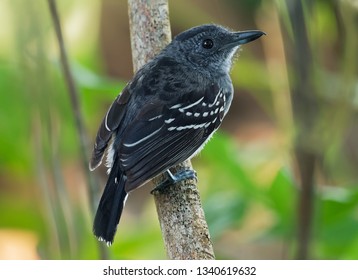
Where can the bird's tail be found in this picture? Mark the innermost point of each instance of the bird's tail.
(110, 206)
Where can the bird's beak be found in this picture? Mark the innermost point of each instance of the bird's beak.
(247, 36)
(243, 37)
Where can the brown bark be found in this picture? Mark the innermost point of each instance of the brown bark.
(185, 231)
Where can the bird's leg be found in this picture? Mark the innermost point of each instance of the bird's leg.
(171, 179)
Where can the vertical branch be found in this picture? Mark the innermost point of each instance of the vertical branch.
(149, 29)
(305, 112)
(76, 108)
(74, 97)
(185, 231)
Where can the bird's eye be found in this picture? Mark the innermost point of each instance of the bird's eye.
(208, 44)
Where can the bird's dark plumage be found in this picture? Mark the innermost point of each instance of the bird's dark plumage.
(165, 115)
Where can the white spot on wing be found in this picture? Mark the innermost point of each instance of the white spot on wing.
(143, 139)
(192, 104)
(169, 120)
(175, 106)
(216, 99)
(125, 200)
(179, 128)
(156, 117)
(105, 121)
(190, 126)
(199, 125)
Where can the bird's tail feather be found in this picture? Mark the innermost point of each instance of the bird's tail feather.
(110, 206)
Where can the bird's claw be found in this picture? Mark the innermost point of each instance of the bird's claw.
(187, 174)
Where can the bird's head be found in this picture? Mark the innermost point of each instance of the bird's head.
(210, 46)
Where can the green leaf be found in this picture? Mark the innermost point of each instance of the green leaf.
(281, 199)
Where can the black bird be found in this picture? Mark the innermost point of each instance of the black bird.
(165, 115)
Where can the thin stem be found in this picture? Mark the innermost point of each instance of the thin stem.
(76, 108)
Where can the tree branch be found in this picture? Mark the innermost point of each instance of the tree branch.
(185, 231)
(306, 110)
(76, 108)
(74, 98)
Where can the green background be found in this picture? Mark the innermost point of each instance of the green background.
(248, 178)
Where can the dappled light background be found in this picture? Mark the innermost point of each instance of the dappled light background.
(296, 96)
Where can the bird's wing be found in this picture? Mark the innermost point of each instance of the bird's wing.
(109, 124)
(167, 133)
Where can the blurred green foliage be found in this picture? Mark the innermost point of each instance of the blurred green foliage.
(248, 183)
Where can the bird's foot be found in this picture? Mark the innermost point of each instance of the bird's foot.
(171, 179)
